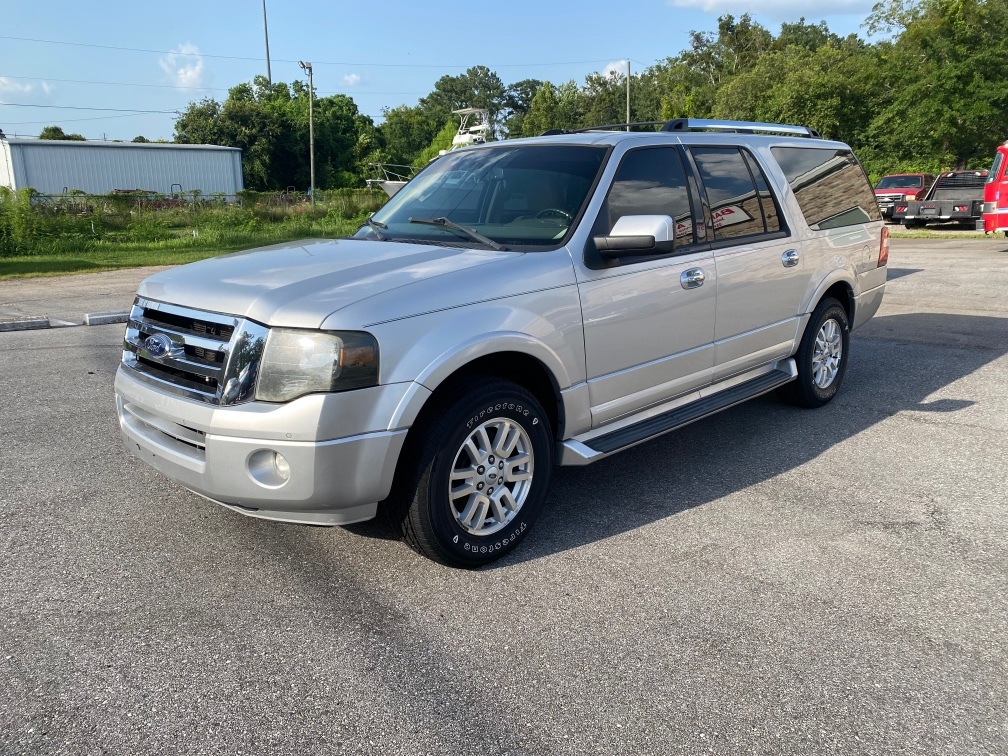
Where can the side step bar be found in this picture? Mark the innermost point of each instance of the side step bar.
(608, 443)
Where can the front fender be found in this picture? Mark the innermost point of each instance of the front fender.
(427, 349)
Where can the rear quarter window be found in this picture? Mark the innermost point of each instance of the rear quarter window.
(831, 187)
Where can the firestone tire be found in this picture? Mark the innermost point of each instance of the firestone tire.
(821, 358)
(474, 480)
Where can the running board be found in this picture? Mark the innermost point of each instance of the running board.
(583, 452)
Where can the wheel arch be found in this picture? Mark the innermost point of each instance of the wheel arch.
(840, 287)
(514, 357)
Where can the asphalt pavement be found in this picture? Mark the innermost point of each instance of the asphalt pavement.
(770, 580)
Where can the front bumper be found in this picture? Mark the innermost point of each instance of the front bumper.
(217, 452)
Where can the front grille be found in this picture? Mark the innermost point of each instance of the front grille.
(192, 358)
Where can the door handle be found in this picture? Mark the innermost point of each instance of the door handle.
(692, 278)
(790, 258)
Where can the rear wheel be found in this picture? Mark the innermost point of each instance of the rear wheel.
(475, 475)
(822, 356)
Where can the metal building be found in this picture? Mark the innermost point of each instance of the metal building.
(54, 167)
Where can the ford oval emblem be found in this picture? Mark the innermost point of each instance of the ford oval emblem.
(158, 345)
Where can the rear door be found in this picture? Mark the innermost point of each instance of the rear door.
(760, 271)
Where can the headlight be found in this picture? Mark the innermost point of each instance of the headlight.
(303, 362)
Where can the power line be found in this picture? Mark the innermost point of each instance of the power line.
(285, 60)
(200, 89)
(78, 107)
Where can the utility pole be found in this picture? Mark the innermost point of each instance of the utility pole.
(627, 92)
(306, 67)
(269, 76)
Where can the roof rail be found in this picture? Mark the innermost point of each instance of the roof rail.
(752, 127)
(606, 127)
(699, 124)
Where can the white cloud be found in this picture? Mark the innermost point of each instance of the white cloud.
(351, 80)
(183, 66)
(615, 67)
(11, 85)
(777, 9)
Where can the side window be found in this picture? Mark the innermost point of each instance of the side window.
(731, 193)
(995, 172)
(649, 181)
(830, 186)
(771, 217)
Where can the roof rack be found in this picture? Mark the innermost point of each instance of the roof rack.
(700, 124)
(751, 127)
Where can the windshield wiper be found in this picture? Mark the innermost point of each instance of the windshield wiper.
(376, 227)
(470, 232)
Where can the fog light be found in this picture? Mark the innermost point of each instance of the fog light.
(282, 468)
(268, 468)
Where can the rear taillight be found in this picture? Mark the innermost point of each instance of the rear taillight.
(901, 209)
(961, 208)
(883, 252)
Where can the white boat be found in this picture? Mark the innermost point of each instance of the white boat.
(469, 135)
(391, 177)
(474, 128)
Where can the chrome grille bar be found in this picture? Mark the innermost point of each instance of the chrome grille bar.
(190, 352)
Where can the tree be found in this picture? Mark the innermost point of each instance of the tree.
(543, 112)
(478, 87)
(141, 139)
(269, 122)
(947, 69)
(56, 132)
(406, 131)
(517, 101)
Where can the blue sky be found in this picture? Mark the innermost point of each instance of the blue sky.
(382, 54)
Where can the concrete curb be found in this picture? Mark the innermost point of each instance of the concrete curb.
(105, 318)
(23, 324)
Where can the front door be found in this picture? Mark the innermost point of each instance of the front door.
(648, 322)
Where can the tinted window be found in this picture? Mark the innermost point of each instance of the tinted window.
(768, 203)
(830, 185)
(649, 181)
(734, 204)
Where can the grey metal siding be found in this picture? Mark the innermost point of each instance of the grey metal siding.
(50, 167)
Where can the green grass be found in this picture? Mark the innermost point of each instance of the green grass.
(77, 253)
(95, 233)
(923, 233)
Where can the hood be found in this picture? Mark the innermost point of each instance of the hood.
(299, 284)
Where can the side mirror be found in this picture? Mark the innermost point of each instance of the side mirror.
(638, 236)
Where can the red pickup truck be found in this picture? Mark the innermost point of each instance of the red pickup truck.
(899, 187)
(995, 207)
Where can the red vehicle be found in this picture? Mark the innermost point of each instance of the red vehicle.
(898, 187)
(995, 207)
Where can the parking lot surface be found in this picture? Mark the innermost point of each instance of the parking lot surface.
(770, 580)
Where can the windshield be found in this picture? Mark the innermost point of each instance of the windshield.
(900, 182)
(518, 196)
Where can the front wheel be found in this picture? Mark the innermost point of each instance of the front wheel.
(822, 356)
(475, 476)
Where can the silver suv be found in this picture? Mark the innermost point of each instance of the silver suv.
(516, 306)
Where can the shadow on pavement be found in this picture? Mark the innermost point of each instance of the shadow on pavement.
(891, 371)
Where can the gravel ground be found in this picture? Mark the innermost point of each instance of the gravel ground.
(769, 580)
